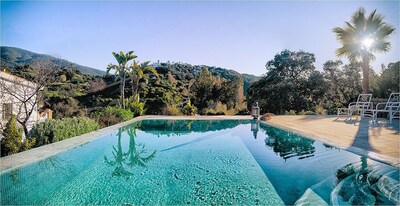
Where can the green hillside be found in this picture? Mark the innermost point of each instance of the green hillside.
(12, 57)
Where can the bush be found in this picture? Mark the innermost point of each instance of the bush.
(171, 109)
(320, 110)
(136, 107)
(113, 115)
(307, 113)
(68, 108)
(11, 143)
(243, 111)
(189, 109)
(213, 112)
(291, 112)
(56, 130)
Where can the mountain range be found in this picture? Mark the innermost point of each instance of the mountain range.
(12, 58)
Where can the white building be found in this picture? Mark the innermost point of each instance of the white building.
(18, 96)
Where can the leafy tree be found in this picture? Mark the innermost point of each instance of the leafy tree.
(343, 84)
(389, 80)
(361, 37)
(121, 69)
(12, 141)
(203, 89)
(291, 83)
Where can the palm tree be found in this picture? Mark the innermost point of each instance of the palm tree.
(361, 37)
(140, 71)
(121, 70)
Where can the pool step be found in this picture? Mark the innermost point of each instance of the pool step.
(310, 198)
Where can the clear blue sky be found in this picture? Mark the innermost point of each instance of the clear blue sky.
(236, 35)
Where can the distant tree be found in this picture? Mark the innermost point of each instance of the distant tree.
(361, 37)
(389, 80)
(121, 69)
(343, 84)
(203, 89)
(291, 83)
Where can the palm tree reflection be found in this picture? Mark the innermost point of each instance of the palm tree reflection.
(124, 162)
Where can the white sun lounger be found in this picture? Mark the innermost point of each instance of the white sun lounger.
(392, 107)
(363, 104)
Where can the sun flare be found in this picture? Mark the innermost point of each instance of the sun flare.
(367, 42)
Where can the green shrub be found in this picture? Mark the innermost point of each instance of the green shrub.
(189, 109)
(11, 143)
(307, 113)
(113, 115)
(136, 107)
(320, 110)
(243, 111)
(291, 112)
(213, 112)
(56, 130)
(124, 114)
(171, 109)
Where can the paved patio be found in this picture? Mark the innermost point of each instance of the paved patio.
(379, 141)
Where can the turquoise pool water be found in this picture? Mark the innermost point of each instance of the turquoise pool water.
(164, 162)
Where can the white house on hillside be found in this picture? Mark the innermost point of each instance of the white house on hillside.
(18, 96)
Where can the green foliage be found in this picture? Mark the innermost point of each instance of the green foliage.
(113, 115)
(291, 83)
(320, 110)
(63, 78)
(291, 112)
(121, 70)
(172, 109)
(208, 88)
(343, 84)
(389, 80)
(67, 108)
(243, 111)
(56, 130)
(189, 109)
(135, 106)
(307, 113)
(11, 143)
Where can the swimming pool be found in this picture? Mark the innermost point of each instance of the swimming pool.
(178, 162)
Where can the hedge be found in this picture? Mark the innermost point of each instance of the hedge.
(56, 130)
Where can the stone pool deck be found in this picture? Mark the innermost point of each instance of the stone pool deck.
(379, 141)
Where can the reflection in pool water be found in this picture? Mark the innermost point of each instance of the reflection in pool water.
(136, 155)
(166, 162)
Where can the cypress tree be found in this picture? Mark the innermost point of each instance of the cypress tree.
(11, 143)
